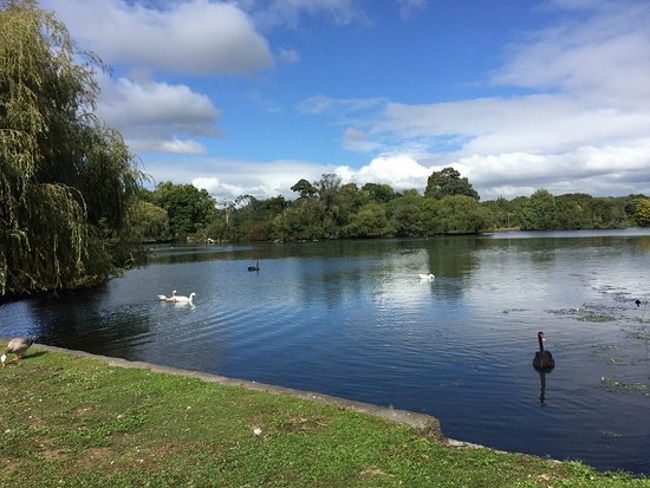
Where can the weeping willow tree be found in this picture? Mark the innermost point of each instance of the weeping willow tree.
(66, 180)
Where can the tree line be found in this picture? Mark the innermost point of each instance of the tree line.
(329, 209)
(74, 210)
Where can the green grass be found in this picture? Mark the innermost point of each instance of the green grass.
(69, 421)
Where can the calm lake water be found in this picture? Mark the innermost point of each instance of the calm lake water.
(352, 319)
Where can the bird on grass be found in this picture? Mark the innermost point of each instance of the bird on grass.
(543, 360)
(16, 346)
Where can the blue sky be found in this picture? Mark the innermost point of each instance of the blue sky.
(248, 97)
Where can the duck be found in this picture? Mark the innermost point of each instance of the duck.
(427, 277)
(182, 299)
(543, 360)
(638, 302)
(169, 298)
(256, 267)
(16, 346)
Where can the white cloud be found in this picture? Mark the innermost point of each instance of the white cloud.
(287, 13)
(158, 117)
(267, 105)
(601, 56)
(174, 146)
(401, 172)
(226, 179)
(289, 55)
(604, 170)
(356, 140)
(340, 107)
(408, 8)
(192, 37)
(215, 187)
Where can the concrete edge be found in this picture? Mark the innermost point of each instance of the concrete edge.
(422, 423)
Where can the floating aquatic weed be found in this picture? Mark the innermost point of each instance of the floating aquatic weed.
(509, 310)
(635, 334)
(587, 313)
(611, 435)
(603, 352)
(620, 386)
(592, 317)
(615, 361)
(566, 311)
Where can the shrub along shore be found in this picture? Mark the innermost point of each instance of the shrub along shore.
(72, 419)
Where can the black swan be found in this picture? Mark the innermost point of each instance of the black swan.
(16, 346)
(543, 359)
(256, 267)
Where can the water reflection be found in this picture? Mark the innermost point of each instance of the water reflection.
(542, 388)
(94, 323)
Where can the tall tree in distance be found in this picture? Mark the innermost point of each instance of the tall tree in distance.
(642, 212)
(448, 183)
(66, 180)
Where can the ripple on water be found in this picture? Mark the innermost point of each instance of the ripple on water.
(353, 320)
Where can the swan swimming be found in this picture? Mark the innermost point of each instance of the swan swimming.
(543, 360)
(427, 277)
(182, 299)
(167, 298)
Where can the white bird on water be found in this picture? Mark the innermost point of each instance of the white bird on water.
(167, 298)
(427, 277)
(182, 299)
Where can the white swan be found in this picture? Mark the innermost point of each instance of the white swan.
(427, 277)
(167, 298)
(182, 299)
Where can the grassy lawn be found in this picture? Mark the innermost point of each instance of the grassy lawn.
(70, 421)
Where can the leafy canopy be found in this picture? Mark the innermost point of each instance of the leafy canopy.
(447, 183)
(66, 180)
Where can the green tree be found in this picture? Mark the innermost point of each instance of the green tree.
(379, 193)
(504, 211)
(254, 220)
(405, 214)
(304, 189)
(642, 212)
(66, 180)
(573, 211)
(540, 212)
(299, 222)
(461, 214)
(150, 222)
(329, 198)
(190, 210)
(370, 221)
(328, 188)
(607, 213)
(448, 182)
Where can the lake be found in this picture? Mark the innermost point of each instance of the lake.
(352, 319)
